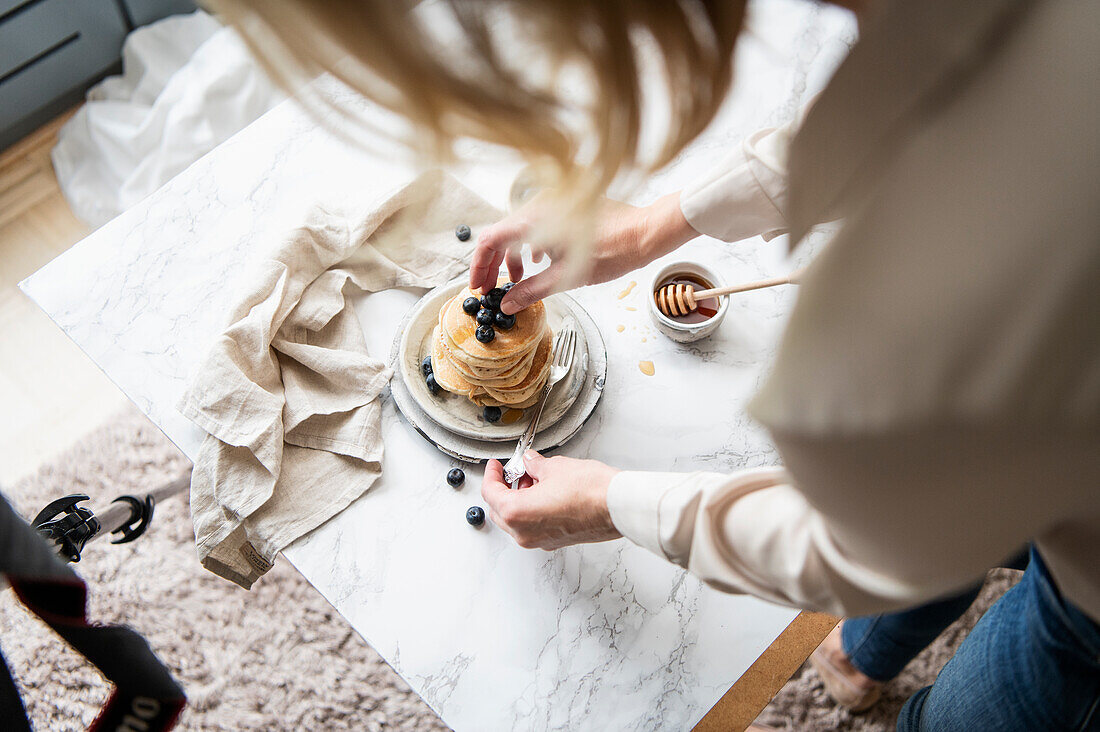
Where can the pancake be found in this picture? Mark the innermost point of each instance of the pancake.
(520, 395)
(446, 375)
(536, 377)
(472, 366)
(488, 401)
(510, 377)
(504, 369)
(523, 394)
(519, 339)
(509, 371)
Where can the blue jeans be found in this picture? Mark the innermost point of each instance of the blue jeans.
(1031, 663)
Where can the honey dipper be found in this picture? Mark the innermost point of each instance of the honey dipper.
(679, 300)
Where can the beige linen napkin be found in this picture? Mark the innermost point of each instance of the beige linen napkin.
(288, 393)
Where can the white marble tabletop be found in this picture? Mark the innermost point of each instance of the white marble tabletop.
(491, 635)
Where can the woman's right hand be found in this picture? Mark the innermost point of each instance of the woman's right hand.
(626, 238)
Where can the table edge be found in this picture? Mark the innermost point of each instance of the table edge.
(748, 696)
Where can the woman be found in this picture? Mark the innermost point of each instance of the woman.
(936, 396)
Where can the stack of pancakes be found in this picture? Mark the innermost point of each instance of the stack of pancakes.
(508, 371)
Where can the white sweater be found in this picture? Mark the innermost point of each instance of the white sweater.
(936, 397)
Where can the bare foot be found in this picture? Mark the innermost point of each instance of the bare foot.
(844, 682)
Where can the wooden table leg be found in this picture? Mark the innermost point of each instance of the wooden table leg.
(739, 706)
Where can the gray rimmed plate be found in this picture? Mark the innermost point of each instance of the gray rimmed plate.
(457, 413)
(484, 440)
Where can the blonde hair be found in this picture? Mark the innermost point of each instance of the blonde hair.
(465, 83)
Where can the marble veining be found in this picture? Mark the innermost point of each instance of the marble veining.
(494, 637)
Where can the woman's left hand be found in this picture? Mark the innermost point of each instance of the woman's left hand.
(561, 501)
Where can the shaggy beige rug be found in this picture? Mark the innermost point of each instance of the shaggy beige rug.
(278, 657)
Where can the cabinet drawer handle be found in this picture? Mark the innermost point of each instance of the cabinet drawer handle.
(41, 55)
(19, 9)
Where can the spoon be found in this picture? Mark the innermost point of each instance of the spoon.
(679, 300)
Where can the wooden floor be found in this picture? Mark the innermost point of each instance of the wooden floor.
(50, 391)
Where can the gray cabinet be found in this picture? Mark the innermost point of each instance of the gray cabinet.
(141, 12)
(51, 51)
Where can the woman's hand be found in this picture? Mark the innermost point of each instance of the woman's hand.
(626, 238)
(561, 501)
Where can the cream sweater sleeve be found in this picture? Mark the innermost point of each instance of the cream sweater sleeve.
(746, 194)
(752, 532)
(880, 522)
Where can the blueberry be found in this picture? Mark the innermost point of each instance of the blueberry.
(491, 414)
(455, 477)
(463, 232)
(475, 515)
(432, 386)
(485, 333)
(484, 316)
(507, 287)
(426, 366)
(494, 296)
(485, 303)
(471, 305)
(504, 322)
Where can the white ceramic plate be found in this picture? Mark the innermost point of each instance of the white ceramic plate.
(458, 414)
(473, 450)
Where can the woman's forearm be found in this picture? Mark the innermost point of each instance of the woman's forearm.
(664, 228)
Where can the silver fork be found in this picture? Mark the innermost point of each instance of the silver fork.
(565, 344)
